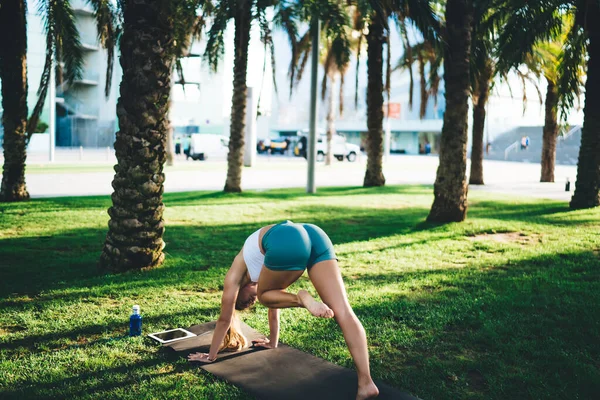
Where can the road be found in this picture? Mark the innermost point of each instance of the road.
(270, 172)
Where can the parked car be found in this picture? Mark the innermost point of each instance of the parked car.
(263, 146)
(341, 148)
(279, 145)
(207, 145)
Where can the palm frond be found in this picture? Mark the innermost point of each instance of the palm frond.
(327, 69)
(108, 25)
(273, 66)
(335, 27)
(66, 38)
(408, 59)
(340, 47)
(266, 38)
(421, 14)
(358, 51)
(434, 86)
(179, 69)
(388, 71)
(527, 24)
(342, 76)
(62, 37)
(42, 88)
(285, 18)
(570, 69)
(435, 78)
(215, 45)
(304, 48)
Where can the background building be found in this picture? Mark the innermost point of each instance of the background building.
(85, 117)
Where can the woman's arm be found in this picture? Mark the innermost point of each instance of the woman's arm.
(274, 326)
(231, 287)
(230, 292)
(273, 339)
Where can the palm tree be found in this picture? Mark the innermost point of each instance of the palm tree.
(483, 70)
(544, 61)
(331, 72)
(530, 23)
(335, 58)
(480, 93)
(13, 73)
(429, 57)
(191, 23)
(371, 19)
(62, 43)
(148, 49)
(156, 34)
(375, 40)
(243, 12)
(450, 188)
(430, 54)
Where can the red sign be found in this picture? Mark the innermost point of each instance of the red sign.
(394, 109)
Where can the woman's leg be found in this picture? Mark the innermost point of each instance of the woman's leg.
(271, 293)
(327, 280)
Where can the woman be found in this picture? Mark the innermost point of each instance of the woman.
(273, 258)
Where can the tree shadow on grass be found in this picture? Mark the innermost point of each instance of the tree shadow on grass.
(56, 204)
(500, 330)
(504, 326)
(91, 335)
(545, 212)
(103, 382)
(69, 259)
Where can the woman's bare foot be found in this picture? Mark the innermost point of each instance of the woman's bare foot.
(316, 308)
(368, 391)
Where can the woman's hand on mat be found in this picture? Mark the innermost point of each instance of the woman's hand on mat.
(202, 357)
(264, 343)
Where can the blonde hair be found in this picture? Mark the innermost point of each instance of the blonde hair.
(234, 338)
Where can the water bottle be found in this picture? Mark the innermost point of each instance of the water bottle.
(135, 322)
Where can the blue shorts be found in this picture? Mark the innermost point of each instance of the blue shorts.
(294, 247)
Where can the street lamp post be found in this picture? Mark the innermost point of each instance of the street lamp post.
(312, 133)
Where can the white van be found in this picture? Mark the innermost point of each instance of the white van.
(341, 148)
(208, 145)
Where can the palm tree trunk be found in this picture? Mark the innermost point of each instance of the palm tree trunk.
(479, 103)
(330, 124)
(235, 158)
(588, 168)
(13, 74)
(136, 225)
(450, 189)
(375, 40)
(550, 133)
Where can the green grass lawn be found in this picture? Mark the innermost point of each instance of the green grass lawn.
(502, 306)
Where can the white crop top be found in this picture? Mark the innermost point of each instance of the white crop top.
(253, 258)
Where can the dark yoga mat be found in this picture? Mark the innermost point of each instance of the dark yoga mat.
(281, 373)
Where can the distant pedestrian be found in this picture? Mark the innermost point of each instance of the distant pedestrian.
(303, 146)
